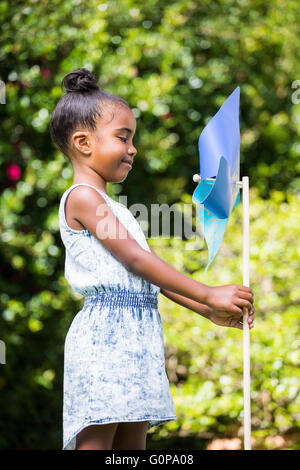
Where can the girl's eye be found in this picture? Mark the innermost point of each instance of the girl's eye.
(123, 139)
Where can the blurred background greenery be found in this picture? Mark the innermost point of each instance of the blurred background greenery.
(175, 62)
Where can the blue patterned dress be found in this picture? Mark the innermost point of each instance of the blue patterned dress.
(114, 365)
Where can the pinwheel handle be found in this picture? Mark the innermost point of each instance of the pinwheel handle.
(197, 179)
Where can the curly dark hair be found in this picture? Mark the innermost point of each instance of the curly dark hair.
(82, 104)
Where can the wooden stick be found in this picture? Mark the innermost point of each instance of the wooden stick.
(246, 331)
(244, 184)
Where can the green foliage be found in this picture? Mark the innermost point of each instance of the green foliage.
(175, 63)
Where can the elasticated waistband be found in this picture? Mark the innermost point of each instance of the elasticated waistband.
(122, 298)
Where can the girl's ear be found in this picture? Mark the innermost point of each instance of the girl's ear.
(82, 142)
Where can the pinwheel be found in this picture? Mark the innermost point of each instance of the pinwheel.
(217, 193)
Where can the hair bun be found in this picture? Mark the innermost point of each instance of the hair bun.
(80, 80)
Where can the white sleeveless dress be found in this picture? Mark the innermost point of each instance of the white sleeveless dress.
(114, 364)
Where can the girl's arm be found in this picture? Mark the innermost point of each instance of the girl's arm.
(196, 307)
(220, 318)
(90, 209)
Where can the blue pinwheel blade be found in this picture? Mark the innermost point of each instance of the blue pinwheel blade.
(212, 227)
(219, 147)
(221, 137)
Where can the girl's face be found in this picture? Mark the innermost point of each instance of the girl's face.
(106, 151)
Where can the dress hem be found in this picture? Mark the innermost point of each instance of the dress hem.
(105, 421)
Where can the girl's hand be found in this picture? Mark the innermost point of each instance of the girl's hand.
(223, 318)
(231, 299)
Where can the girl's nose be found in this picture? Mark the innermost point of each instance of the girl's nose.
(132, 150)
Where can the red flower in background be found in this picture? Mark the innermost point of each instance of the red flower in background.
(166, 116)
(13, 172)
(45, 73)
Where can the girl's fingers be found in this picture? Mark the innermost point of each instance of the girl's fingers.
(244, 303)
(250, 321)
(236, 310)
(246, 296)
(246, 293)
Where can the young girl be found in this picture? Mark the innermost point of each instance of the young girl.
(115, 382)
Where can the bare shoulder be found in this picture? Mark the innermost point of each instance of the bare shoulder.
(89, 208)
(80, 197)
